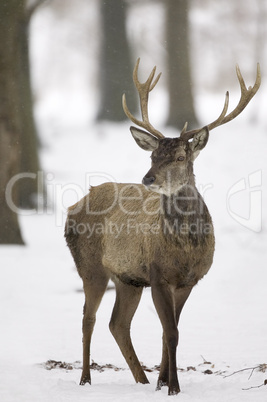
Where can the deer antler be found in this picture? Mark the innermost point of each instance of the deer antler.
(143, 90)
(246, 96)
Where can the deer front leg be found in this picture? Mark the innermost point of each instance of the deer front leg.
(169, 304)
(179, 296)
(165, 309)
(163, 379)
(163, 301)
(127, 300)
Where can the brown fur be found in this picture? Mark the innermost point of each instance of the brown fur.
(143, 238)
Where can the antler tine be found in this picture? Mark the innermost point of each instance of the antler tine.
(246, 96)
(143, 91)
(187, 135)
(184, 129)
(148, 84)
(219, 121)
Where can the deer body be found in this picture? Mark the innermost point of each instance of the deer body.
(169, 238)
(157, 234)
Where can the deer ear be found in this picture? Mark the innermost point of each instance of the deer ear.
(200, 140)
(145, 140)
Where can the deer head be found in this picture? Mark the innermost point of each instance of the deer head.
(172, 158)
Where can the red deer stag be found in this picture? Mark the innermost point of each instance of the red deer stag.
(162, 238)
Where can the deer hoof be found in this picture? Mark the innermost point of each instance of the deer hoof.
(161, 384)
(174, 390)
(85, 380)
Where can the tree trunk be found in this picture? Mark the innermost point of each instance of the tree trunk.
(181, 108)
(115, 65)
(29, 161)
(10, 12)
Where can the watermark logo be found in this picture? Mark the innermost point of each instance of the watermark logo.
(253, 219)
(132, 200)
(136, 227)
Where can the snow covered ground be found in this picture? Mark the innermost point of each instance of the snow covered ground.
(223, 326)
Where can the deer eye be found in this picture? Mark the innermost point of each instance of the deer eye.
(180, 158)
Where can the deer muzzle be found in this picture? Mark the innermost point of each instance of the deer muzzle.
(148, 180)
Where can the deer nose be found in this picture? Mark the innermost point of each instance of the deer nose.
(148, 180)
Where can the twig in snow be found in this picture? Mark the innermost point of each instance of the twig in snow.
(257, 386)
(205, 361)
(261, 367)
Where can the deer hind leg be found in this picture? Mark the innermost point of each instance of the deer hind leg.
(169, 304)
(127, 300)
(94, 290)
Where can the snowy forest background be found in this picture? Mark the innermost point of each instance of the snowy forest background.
(223, 326)
(221, 34)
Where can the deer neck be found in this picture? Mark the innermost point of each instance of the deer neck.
(184, 214)
(185, 202)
